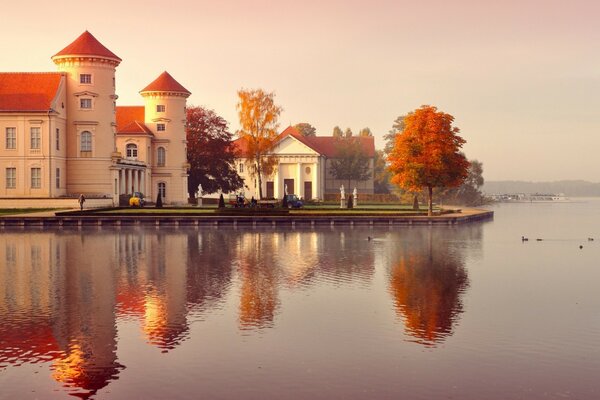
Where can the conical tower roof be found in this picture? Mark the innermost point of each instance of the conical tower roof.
(165, 83)
(87, 45)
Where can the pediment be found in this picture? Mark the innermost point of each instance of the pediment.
(86, 93)
(291, 145)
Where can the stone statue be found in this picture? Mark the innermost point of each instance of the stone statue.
(342, 192)
(355, 195)
(285, 189)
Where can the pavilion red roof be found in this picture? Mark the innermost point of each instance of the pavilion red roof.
(165, 83)
(87, 45)
(130, 121)
(324, 145)
(28, 91)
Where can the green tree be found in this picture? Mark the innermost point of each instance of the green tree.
(337, 132)
(469, 193)
(365, 132)
(259, 116)
(381, 175)
(390, 137)
(427, 153)
(306, 129)
(209, 152)
(351, 162)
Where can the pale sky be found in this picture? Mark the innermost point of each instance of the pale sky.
(521, 78)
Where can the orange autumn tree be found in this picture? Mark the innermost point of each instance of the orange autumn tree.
(258, 121)
(426, 153)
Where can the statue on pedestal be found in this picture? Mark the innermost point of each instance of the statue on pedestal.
(342, 196)
(199, 195)
(355, 195)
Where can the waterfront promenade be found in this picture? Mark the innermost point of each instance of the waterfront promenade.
(60, 219)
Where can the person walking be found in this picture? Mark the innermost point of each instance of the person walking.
(81, 201)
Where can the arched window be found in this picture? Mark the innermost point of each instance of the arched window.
(86, 144)
(161, 157)
(132, 151)
(162, 190)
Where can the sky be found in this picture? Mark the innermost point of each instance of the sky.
(521, 78)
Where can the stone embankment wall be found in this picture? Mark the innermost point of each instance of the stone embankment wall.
(54, 203)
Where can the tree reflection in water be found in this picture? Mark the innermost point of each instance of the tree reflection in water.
(427, 283)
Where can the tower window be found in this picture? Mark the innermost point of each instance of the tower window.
(160, 108)
(85, 103)
(58, 178)
(241, 167)
(85, 78)
(57, 139)
(160, 127)
(161, 155)
(86, 144)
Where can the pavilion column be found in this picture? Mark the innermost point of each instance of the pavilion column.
(276, 181)
(299, 187)
(315, 181)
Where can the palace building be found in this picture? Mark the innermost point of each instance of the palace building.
(304, 167)
(64, 135)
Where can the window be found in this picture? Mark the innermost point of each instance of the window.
(11, 138)
(86, 144)
(85, 103)
(131, 151)
(85, 78)
(241, 167)
(35, 138)
(160, 108)
(11, 178)
(36, 178)
(160, 127)
(161, 156)
(57, 139)
(162, 189)
(58, 178)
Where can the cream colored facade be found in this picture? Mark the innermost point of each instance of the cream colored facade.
(72, 145)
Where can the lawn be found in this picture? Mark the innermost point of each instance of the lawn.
(14, 211)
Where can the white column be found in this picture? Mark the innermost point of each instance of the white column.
(299, 180)
(143, 182)
(315, 181)
(129, 181)
(276, 181)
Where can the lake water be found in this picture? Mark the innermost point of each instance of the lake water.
(468, 312)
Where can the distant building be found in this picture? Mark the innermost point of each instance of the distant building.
(304, 167)
(64, 135)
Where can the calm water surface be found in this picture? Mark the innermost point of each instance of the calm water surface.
(468, 312)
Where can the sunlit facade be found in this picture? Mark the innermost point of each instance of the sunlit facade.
(62, 133)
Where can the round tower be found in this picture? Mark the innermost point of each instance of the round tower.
(90, 93)
(165, 114)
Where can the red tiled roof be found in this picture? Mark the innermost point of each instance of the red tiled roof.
(328, 145)
(135, 128)
(28, 91)
(87, 45)
(165, 83)
(128, 114)
(130, 121)
(324, 145)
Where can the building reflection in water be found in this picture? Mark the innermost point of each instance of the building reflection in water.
(428, 280)
(63, 293)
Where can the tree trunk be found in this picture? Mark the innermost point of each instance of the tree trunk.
(430, 192)
(259, 173)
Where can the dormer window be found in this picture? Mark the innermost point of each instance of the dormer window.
(132, 151)
(160, 127)
(85, 104)
(85, 79)
(160, 108)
